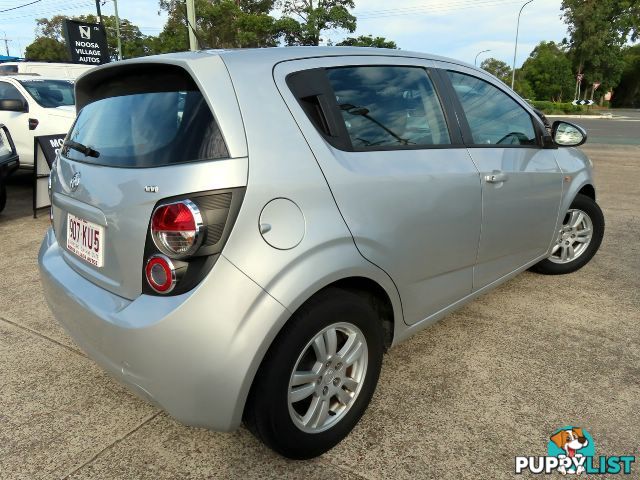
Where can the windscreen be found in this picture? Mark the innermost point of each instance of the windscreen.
(51, 93)
(146, 129)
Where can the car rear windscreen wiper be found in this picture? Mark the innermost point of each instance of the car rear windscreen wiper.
(87, 151)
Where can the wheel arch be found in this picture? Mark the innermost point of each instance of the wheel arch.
(385, 303)
(588, 190)
(374, 292)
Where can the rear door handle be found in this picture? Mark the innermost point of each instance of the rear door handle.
(496, 177)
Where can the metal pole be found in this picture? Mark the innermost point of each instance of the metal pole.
(99, 12)
(475, 62)
(191, 20)
(515, 50)
(6, 43)
(115, 5)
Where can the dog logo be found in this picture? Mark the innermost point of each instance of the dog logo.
(85, 32)
(571, 442)
(570, 450)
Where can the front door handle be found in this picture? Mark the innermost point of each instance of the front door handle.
(496, 177)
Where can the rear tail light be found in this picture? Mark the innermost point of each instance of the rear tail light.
(160, 273)
(185, 238)
(177, 228)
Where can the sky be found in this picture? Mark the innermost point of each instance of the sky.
(452, 28)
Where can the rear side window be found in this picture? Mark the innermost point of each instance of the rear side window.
(493, 116)
(9, 92)
(387, 106)
(8, 69)
(146, 128)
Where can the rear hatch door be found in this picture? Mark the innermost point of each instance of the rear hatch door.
(144, 132)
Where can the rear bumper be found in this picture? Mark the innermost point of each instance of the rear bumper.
(194, 355)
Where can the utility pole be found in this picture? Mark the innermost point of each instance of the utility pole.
(99, 12)
(115, 5)
(6, 43)
(191, 25)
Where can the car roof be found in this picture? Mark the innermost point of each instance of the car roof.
(271, 56)
(279, 54)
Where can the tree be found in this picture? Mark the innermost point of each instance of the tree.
(497, 68)
(548, 72)
(367, 41)
(523, 88)
(219, 24)
(303, 22)
(49, 34)
(598, 31)
(627, 93)
(46, 50)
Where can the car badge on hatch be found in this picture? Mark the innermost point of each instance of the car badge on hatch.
(75, 182)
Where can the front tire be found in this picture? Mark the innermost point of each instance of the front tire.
(578, 240)
(318, 376)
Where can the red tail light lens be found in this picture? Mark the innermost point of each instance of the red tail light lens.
(161, 274)
(177, 228)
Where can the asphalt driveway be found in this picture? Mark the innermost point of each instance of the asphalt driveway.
(459, 400)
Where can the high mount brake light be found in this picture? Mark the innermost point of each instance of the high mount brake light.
(177, 228)
(160, 273)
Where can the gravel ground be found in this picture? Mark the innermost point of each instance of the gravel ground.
(458, 400)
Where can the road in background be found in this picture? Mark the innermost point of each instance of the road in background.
(622, 129)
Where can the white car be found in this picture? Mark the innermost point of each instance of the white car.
(46, 69)
(33, 106)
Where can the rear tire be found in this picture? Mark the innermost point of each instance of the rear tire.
(318, 376)
(578, 239)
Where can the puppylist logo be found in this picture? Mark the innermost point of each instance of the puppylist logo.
(571, 450)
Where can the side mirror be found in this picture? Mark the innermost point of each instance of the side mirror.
(567, 134)
(14, 105)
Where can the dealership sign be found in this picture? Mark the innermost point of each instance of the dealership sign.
(87, 42)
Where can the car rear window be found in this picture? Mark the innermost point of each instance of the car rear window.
(146, 129)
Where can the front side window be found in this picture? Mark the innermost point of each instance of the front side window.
(493, 116)
(388, 106)
(50, 93)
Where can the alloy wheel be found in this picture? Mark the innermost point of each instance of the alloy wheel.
(327, 377)
(573, 238)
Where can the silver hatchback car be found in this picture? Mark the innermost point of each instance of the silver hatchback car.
(241, 235)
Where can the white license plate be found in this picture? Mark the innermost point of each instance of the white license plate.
(86, 240)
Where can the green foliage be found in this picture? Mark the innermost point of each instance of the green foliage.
(50, 40)
(548, 72)
(46, 50)
(557, 108)
(598, 31)
(498, 69)
(367, 41)
(219, 24)
(523, 87)
(627, 94)
(303, 22)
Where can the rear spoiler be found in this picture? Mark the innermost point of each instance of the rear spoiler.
(131, 78)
